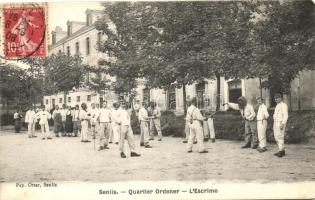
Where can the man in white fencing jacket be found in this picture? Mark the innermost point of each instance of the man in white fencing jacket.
(30, 119)
(104, 118)
(196, 129)
(280, 118)
(262, 117)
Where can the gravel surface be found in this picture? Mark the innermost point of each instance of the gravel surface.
(67, 159)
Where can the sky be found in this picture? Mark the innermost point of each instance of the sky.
(60, 12)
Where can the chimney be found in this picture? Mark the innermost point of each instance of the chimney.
(57, 35)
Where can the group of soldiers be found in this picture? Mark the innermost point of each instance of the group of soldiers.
(113, 125)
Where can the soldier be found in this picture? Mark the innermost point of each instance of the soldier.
(104, 118)
(95, 112)
(155, 122)
(63, 113)
(30, 117)
(196, 130)
(126, 133)
(76, 121)
(17, 121)
(248, 114)
(43, 117)
(57, 121)
(144, 126)
(209, 120)
(84, 117)
(115, 119)
(188, 120)
(280, 118)
(262, 116)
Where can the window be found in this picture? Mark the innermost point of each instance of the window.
(200, 88)
(99, 37)
(60, 100)
(69, 99)
(88, 97)
(68, 51)
(53, 101)
(46, 101)
(146, 95)
(78, 98)
(77, 48)
(87, 46)
(171, 94)
(235, 90)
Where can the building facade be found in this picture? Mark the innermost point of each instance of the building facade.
(81, 39)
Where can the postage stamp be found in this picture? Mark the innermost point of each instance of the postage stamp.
(24, 31)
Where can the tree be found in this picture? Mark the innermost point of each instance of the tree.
(284, 38)
(62, 73)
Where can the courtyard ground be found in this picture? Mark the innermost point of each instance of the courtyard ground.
(67, 159)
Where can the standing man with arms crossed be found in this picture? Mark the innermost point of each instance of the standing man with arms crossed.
(144, 126)
(196, 129)
(188, 119)
(248, 114)
(280, 118)
(155, 122)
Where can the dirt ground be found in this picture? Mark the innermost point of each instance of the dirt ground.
(67, 159)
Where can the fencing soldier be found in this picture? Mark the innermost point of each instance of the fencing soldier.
(84, 117)
(30, 119)
(115, 125)
(57, 121)
(209, 121)
(126, 132)
(187, 121)
(280, 118)
(248, 114)
(43, 117)
(155, 122)
(104, 118)
(196, 129)
(144, 126)
(262, 116)
(76, 121)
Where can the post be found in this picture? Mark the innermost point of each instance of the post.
(217, 75)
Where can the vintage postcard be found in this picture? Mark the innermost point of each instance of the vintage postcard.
(157, 100)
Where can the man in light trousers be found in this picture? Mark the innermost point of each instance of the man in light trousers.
(155, 122)
(30, 119)
(104, 118)
(280, 118)
(144, 126)
(126, 133)
(262, 117)
(196, 129)
(248, 114)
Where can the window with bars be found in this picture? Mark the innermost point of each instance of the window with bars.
(87, 46)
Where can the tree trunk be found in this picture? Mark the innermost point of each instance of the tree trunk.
(217, 75)
(260, 88)
(65, 97)
(290, 100)
(184, 98)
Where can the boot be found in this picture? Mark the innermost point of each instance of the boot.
(213, 140)
(141, 144)
(245, 146)
(122, 154)
(281, 153)
(147, 146)
(134, 154)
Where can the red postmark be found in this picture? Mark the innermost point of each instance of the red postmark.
(24, 32)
